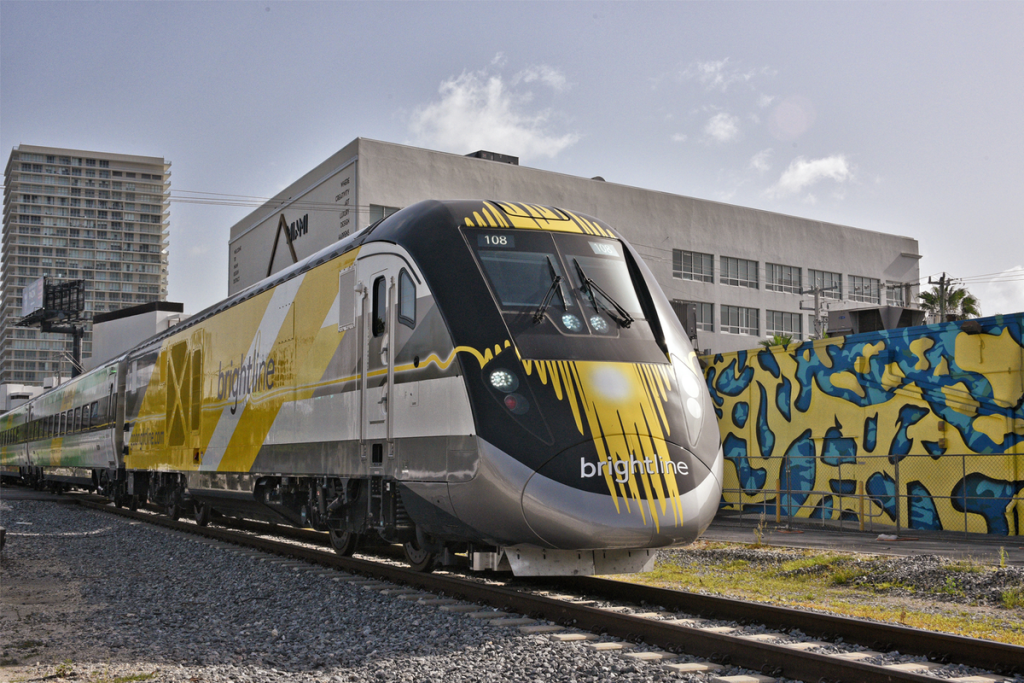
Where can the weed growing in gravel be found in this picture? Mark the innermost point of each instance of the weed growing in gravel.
(1012, 598)
(949, 587)
(962, 597)
(846, 575)
(965, 566)
(125, 679)
(64, 670)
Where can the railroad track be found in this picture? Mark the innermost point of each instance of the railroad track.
(572, 602)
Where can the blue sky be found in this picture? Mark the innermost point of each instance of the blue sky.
(902, 117)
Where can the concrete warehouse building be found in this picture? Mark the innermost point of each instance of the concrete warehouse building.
(746, 270)
(76, 215)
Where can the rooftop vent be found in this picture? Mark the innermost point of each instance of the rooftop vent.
(494, 156)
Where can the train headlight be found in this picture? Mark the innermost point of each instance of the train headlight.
(504, 380)
(691, 396)
(598, 324)
(571, 322)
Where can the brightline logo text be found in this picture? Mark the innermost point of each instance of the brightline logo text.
(621, 469)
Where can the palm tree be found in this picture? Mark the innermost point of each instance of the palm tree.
(959, 304)
(776, 340)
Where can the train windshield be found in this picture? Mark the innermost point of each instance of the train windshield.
(562, 293)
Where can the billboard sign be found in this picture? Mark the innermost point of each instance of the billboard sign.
(32, 297)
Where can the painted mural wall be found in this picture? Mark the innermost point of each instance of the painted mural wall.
(926, 422)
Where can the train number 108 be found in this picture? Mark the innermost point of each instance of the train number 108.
(496, 240)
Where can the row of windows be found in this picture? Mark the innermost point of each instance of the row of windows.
(743, 320)
(52, 180)
(737, 272)
(71, 421)
(54, 159)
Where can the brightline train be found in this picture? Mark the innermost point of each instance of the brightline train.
(487, 383)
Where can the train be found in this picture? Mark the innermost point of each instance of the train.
(490, 384)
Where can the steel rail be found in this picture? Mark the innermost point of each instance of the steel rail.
(986, 654)
(768, 658)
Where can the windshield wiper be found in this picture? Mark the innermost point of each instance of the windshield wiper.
(555, 280)
(620, 314)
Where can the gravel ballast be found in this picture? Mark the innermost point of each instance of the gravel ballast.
(88, 596)
(92, 597)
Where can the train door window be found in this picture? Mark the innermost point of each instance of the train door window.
(95, 409)
(406, 299)
(197, 389)
(346, 299)
(78, 420)
(380, 306)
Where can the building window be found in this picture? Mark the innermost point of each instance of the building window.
(865, 289)
(738, 272)
(693, 265)
(784, 324)
(894, 294)
(705, 316)
(378, 212)
(779, 278)
(740, 320)
(831, 284)
(704, 313)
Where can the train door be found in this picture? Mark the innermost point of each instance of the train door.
(378, 277)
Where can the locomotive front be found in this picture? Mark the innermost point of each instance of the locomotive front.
(595, 430)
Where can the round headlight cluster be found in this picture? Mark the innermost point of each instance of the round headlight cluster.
(571, 322)
(598, 324)
(504, 380)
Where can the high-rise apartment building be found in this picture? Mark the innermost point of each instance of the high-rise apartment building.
(74, 215)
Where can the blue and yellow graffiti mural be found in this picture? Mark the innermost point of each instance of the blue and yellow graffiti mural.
(927, 421)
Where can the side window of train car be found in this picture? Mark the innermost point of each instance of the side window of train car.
(78, 419)
(406, 299)
(380, 306)
(95, 409)
(63, 423)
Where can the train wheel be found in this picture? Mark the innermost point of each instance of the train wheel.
(202, 513)
(344, 542)
(419, 560)
(174, 509)
(133, 503)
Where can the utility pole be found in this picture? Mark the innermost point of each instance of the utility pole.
(817, 292)
(942, 283)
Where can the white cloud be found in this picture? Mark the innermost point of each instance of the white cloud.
(722, 127)
(803, 173)
(547, 75)
(1003, 294)
(761, 162)
(481, 111)
(679, 137)
(765, 101)
(721, 75)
